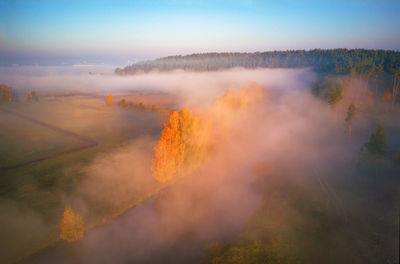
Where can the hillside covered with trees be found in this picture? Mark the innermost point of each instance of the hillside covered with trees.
(342, 61)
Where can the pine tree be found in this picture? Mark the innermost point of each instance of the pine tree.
(348, 122)
(377, 143)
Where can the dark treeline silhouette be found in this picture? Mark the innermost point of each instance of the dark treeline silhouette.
(142, 107)
(341, 61)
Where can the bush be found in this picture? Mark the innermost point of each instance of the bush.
(6, 93)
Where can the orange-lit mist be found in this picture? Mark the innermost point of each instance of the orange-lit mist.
(186, 138)
(238, 124)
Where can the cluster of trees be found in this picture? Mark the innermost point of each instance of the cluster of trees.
(187, 136)
(368, 64)
(330, 90)
(6, 93)
(142, 107)
(344, 61)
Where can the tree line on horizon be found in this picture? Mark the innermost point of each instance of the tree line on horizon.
(339, 61)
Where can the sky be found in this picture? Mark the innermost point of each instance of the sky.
(122, 31)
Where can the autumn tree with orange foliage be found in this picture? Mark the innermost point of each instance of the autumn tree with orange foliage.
(109, 99)
(71, 226)
(181, 147)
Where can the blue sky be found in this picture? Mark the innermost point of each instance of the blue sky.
(55, 31)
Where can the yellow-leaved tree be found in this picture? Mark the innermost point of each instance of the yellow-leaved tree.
(71, 226)
(181, 147)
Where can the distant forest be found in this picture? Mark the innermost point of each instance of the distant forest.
(340, 61)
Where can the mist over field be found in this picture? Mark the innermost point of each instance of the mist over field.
(112, 177)
(285, 130)
(192, 88)
(283, 138)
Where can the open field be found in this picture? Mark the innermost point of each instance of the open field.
(47, 151)
(19, 148)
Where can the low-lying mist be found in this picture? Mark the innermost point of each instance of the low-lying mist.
(290, 129)
(193, 87)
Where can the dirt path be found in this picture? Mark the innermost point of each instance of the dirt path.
(87, 142)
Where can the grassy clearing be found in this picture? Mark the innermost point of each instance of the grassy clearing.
(17, 146)
(36, 194)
